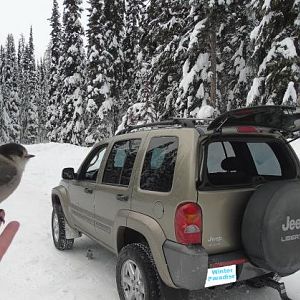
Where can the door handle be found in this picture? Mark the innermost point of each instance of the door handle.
(88, 190)
(122, 197)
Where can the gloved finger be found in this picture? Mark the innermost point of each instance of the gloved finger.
(7, 236)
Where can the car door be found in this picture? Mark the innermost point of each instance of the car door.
(82, 190)
(115, 186)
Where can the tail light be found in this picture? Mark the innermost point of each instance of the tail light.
(188, 223)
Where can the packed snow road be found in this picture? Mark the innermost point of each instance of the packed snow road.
(34, 269)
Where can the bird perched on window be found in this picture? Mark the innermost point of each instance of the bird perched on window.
(13, 158)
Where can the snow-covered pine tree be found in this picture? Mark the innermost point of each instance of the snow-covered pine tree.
(234, 54)
(55, 84)
(42, 99)
(210, 48)
(166, 23)
(276, 56)
(22, 84)
(30, 116)
(4, 120)
(10, 96)
(109, 80)
(196, 74)
(73, 74)
(113, 107)
(135, 13)
(2, 63)
(95, 93)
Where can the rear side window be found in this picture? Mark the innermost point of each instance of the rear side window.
(240, 162)
(120, 162)
(159, 164)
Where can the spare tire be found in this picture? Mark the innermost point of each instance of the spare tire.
(271, 227)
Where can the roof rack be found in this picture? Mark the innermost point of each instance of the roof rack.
(179, 122)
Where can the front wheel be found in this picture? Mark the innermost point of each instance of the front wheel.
(59, 230)
(136, 274)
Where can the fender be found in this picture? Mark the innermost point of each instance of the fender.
(155, 237)
(62, 194)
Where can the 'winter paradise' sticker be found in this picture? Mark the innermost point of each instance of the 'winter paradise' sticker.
(218, 276)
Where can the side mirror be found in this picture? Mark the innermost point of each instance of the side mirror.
(68, 173)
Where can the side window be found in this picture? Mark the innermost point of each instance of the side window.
(159, 164)
(120, 162)
(217, 152)
(265, 159)
(92, 165)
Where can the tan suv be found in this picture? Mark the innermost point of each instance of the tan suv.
(186, 206)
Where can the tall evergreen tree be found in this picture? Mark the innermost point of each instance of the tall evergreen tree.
(235, 51)
(73, 68)
(113, 58)
(30, 117)
(196, 74)
(276, 56)
(95, 93)
(109, 81)
(163, 40)
(3, 114)
(42, 99)
(135, 16)
(55, 85)
(11, 101)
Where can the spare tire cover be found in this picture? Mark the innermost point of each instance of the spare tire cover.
(271, 227)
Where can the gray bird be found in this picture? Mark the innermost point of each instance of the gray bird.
(13, 158)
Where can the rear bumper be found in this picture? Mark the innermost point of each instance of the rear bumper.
(188, 265)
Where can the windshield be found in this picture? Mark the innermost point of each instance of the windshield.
(238, 162)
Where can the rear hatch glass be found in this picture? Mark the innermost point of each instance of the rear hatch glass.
(244, 162)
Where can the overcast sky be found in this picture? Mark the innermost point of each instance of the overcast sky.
(16, 17)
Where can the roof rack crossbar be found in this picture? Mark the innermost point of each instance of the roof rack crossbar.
(184, 122)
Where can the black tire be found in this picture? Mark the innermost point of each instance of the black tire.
(140, 256)
(59, 232)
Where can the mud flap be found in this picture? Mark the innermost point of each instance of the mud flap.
(70, 232)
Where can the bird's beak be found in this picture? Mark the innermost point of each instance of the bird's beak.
(29, 156)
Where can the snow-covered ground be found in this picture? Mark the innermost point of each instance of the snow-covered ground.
(33, 269)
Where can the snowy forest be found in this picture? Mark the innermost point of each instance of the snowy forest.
(146, 61)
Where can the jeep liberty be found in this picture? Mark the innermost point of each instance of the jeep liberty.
(187, 206)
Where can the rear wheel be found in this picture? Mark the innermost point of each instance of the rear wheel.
(59, 230)
(136, 274)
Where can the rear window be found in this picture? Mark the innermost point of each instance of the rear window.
(120, 162)
(159, 164)
(246, 162)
